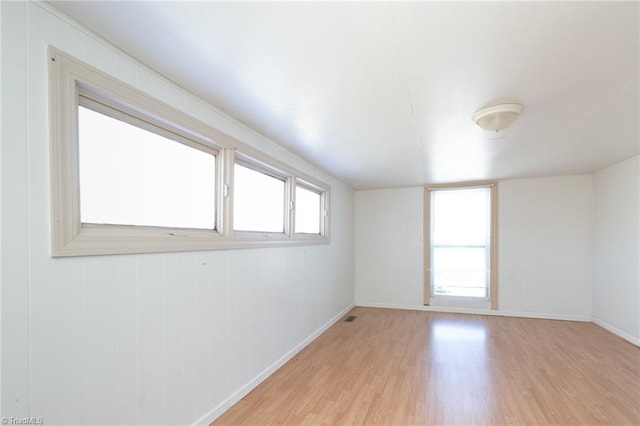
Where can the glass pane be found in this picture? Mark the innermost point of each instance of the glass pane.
(258, 201)
(130, 176)
(460, 258)
(460, 217)
(460, 271)
(460, 242)
(307, 211)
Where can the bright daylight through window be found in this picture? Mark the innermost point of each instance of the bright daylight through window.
(258, 201)
(308, 214)
(131, 176)
(460, 242)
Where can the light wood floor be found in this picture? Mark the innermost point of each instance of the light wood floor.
(398, 367)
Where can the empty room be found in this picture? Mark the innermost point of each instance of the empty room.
(319, 213)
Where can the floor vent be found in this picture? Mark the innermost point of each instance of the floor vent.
(350, 318)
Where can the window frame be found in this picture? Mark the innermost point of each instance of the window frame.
(261, 167)
(108, 109)
(492, 289)
(71, 82)
(323, 206)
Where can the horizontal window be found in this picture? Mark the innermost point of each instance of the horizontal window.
(130, 174)
(258, 201)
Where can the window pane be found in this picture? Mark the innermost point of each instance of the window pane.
(460, 242)
(460, 216)
(258, 201)
(307, 211)
(130, 176)
(460, 271)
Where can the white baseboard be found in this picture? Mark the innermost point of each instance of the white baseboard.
(219, 409)
(629, 338)
(562, 317)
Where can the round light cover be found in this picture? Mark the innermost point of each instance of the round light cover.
(497, 117)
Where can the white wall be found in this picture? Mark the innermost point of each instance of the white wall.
(389, 247)
(545, 247)
(157, 338)
(616, 293)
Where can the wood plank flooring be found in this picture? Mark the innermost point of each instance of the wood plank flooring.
(397, 367)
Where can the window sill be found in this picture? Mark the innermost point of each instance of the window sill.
(460, 302)
(109, 240)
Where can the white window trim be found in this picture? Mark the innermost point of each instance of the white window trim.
(324, 206)
(265, 168)
(71, 79)
(493, 247)
(257, 161)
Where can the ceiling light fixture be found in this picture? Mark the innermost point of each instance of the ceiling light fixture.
(497, 117)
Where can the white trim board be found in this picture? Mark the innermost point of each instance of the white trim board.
(629, 338)
(221, 408)
(562, 317)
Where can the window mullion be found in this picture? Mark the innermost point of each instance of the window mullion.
(225, 192)
(148, 127)
(290, 206)
(324, 213)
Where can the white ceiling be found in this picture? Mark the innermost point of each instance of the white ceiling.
(381, 94)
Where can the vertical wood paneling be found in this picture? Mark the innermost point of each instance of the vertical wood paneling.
(150, 339)
(56, 347)
(125, 70)
(204, 348)
(55, 284)
(236, 317)
(129, 339)
(343, 207)
(198, 109)
(283, 303)
(173, 326)
(125, 336)
(312, 293)
(218, 280)
(149, 83)
(15, 227)
(294, 270)
(97, 54)
(190, 338)
(248, 320)
(98, 341)
(173, 96)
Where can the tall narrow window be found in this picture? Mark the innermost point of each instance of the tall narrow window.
(460, 243)
(258, 201)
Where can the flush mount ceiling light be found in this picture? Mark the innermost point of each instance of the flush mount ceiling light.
(497, 117)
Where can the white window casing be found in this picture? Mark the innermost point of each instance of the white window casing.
(73, 83)
(489, 244)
